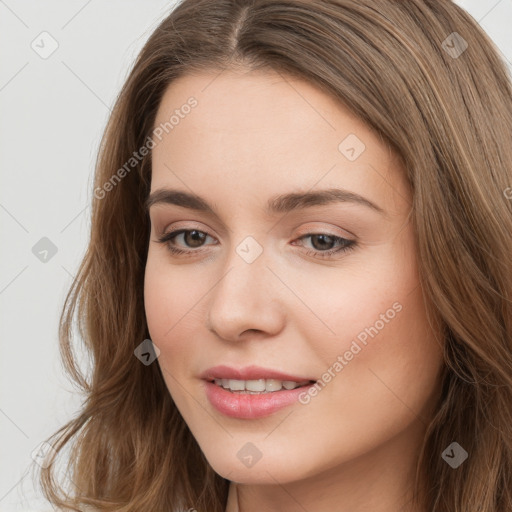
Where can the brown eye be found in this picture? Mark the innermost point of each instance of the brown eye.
(323, 243)
(191, 238)
(194, 238)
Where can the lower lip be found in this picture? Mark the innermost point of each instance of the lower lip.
(247, 406)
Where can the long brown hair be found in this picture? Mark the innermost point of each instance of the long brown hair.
(430, 82)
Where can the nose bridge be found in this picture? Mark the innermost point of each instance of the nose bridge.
(247, 276)
(246, 296)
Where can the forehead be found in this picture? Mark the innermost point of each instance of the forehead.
(257, 104)
(251, 129)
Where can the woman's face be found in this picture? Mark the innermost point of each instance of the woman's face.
(260, 282)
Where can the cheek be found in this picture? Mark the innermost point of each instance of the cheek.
(159, 301)
(173, 302)
(169, 296)
(386, 368)
(165, 305)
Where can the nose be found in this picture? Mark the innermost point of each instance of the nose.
(246, 300)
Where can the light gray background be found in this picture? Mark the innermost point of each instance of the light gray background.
(53, 114)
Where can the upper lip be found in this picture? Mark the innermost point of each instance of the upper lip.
(249, 373)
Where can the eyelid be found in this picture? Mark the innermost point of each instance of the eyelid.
(188, 225)
(333, 231)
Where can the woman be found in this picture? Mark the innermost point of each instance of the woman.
(239, 364)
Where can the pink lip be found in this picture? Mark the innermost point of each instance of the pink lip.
(247, 406)
(249, 373)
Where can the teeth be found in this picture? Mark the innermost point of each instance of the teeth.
(258, 386)
(273, 385)
(289, 384)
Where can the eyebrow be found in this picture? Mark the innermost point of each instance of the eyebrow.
(283, 203)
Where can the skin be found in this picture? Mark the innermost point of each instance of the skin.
(353, 446)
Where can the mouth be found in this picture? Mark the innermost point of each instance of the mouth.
(254, 398)
(259, 386)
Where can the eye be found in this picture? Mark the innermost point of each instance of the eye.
(194, 239)
(326, 239)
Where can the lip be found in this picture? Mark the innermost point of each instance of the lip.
(247, 406)
(249, 373)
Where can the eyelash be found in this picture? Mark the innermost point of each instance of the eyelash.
(349, 244)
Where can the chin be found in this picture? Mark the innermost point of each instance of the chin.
(267, 470)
